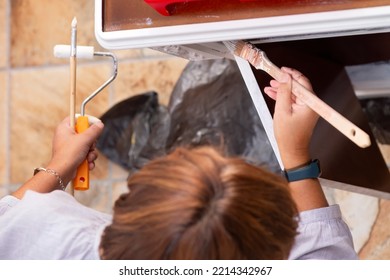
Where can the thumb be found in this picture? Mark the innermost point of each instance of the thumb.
(93, 132)
(284, 101)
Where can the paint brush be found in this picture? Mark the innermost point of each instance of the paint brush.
(73, 66)
(259, 60)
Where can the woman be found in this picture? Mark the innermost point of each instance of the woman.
(191, 204)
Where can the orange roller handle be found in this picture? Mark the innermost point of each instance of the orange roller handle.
(81, 181)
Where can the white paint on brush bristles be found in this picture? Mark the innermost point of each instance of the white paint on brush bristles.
(73, 40)
(248, 52)
(74, 22)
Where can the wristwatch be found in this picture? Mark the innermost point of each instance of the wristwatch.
(309, 171)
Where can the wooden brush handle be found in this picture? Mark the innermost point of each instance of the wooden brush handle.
(346, 127)
(350, 130)
(72, 97)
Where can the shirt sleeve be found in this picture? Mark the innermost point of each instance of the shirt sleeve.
(323, 235)
(46, 226)
(6, 203)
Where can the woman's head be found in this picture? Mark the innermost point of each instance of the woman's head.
(197, 204)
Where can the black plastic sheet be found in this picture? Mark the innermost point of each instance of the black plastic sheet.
(135, 131)
(209, 105)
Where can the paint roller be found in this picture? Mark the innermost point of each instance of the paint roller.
(81, 181)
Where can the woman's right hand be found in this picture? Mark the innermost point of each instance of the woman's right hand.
(71, 149)
(68, 152)
(294, 121)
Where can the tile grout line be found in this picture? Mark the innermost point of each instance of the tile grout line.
(91, 63)
(8, 95)
(371, 234)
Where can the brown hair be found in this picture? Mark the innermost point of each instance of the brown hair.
(197, 204)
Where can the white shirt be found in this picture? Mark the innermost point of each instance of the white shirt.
(55, 226)
(49, 226)
(323, 235)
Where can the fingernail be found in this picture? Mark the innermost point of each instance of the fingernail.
(99, 124)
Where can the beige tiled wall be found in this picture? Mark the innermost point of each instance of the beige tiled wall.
(34, 87)
(148, 75)
(38, 25)
(3, 33)
(3, 96)
(3, 129)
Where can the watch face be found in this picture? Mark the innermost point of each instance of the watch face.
(309, 171)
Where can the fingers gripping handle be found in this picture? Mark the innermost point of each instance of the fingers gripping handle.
(81, 181)
(346, 127)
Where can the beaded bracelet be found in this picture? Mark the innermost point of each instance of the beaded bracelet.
(52, 172)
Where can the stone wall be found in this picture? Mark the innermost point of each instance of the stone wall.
(34, 88)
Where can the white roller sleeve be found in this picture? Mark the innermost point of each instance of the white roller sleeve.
(91, 119)
(63, 51)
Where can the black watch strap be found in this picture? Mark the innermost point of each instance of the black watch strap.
(309, 171)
